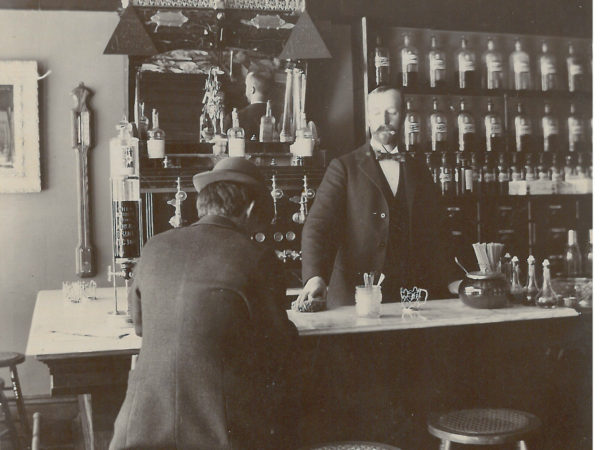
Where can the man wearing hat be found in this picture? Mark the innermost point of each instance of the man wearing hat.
(209, 303)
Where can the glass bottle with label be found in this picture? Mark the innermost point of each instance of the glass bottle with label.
(445, 176)
(547, 298)
(438, 129)
(493, 130)
(381, 63)
(548, 69)
(529, 168)
(557, 172)
(304, 144)
(409, 59)
(520, 68)
(493, 67)
(531, 287)
(465, 62)
(267, 131)
(550, 130)
(236, 137)
(466, 129)
(156, 138)
(575, 71)
(124, 152)
(489, 175)
(503, 174)
(576, 131)
(523, 130)
(458, 181)
(516, 169)
(543, 170)
(412, 128)
(477, 174)
(437, 65)
(143, 124)
(466, 175)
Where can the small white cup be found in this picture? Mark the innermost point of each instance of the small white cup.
(368, 301)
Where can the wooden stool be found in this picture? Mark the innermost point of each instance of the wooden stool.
(10, 426)
(353, 445)
(483, 427)
(10, 360)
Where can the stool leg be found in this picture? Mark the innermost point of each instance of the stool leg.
(445, 445)
(14, 376)
(9, 422)
(521, 445)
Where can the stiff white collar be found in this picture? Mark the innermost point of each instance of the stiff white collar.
(376, 145)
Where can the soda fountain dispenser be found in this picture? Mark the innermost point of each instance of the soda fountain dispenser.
(126, 206)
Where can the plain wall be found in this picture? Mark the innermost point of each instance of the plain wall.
(38, 231)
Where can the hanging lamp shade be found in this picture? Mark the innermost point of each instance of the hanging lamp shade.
(130, 37)
(305, 41)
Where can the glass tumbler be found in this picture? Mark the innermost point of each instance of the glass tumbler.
(368, 301)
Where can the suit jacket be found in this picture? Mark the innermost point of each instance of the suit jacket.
(209, 303)
(347, 229)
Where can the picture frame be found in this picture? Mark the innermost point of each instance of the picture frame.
(19, 127)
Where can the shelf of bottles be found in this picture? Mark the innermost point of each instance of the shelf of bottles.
(487, 110)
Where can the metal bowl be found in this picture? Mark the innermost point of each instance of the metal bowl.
(484, 290)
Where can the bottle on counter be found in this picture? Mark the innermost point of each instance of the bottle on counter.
(523, 130)
(549, 130)
(547, 298)
(156, 138)
(517, 291)
(493, 67)
(548, 69)
(412, 128)
(143, 124)
(409, 59)
(382, 63)
(576, 131)
(557, 172)
(466, 129)
(572, 256)
(503, 174)
(438, 129)
(304, 144)
(466, 175)
(520, 68)
(589, 257)
(267, 131)
(570, 168)
(529, 168)
(236, 136)
(516, 169)
(575, 70)
(493, 129)
(437, 65)
(445, 176)
(489, 175)
(458, 181)
(531, 288)
(466, 64)
(477, 174)
(543, 170)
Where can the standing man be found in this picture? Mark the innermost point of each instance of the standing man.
(211, 372)
(375, 210)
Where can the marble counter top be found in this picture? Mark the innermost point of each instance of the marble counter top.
(60, 329)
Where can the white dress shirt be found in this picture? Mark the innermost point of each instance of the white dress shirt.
(390, 168)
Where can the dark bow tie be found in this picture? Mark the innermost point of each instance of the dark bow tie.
(382, 156)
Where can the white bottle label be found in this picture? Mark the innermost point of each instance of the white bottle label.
(382, 61)
(493, 127)
(575, 129)
(547, 66)
(521, 64)
(410, 61)
(128, 160)
(237, 147)
(156, 148)
(502, 177)
(468, 179)
(522, 126)
(549, 126)
(575, 69)
(516, 175)
(437, 61)
(466, 63)
(465, 127)
(494, 64)
(445, 177)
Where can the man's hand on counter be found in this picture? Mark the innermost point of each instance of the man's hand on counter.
(313, 296)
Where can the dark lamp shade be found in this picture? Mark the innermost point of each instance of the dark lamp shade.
(130, 37)
(305, 42)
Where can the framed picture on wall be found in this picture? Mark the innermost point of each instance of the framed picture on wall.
(19, 127)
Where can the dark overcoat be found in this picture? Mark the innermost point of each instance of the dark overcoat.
(211, 372)
(347, 230)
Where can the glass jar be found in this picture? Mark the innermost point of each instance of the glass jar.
(484, 290)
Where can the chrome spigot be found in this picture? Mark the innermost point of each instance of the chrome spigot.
(276, 194)
(176, 221)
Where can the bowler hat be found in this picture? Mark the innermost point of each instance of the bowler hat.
(238, 170)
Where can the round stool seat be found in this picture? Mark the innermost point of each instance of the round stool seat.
(354, 445)
(483, 426)
(8, 359)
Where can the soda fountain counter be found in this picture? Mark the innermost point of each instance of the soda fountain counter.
(394, 369)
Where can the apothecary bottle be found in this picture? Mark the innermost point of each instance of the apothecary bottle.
(493, 129)
(124, 152)
(412, 128)
(520, 67)
(409, 59)
(503, 174)
(575, 131)
(575, 70)
(466, 64)
(493, 67)
(489, 175)
(381, 63)
(236, 136)
(267, 131)
(549, 130)
(517, 291)
(589, 256)
(156, 138)
(466, 129)
(143, 124)
(572, 256)
(438, 129)
(547, 298)
(531, 287)
(437, 65)
(523, 130)
(548, 69)
(445, 176)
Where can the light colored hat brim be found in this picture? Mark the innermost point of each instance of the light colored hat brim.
(201, 180)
